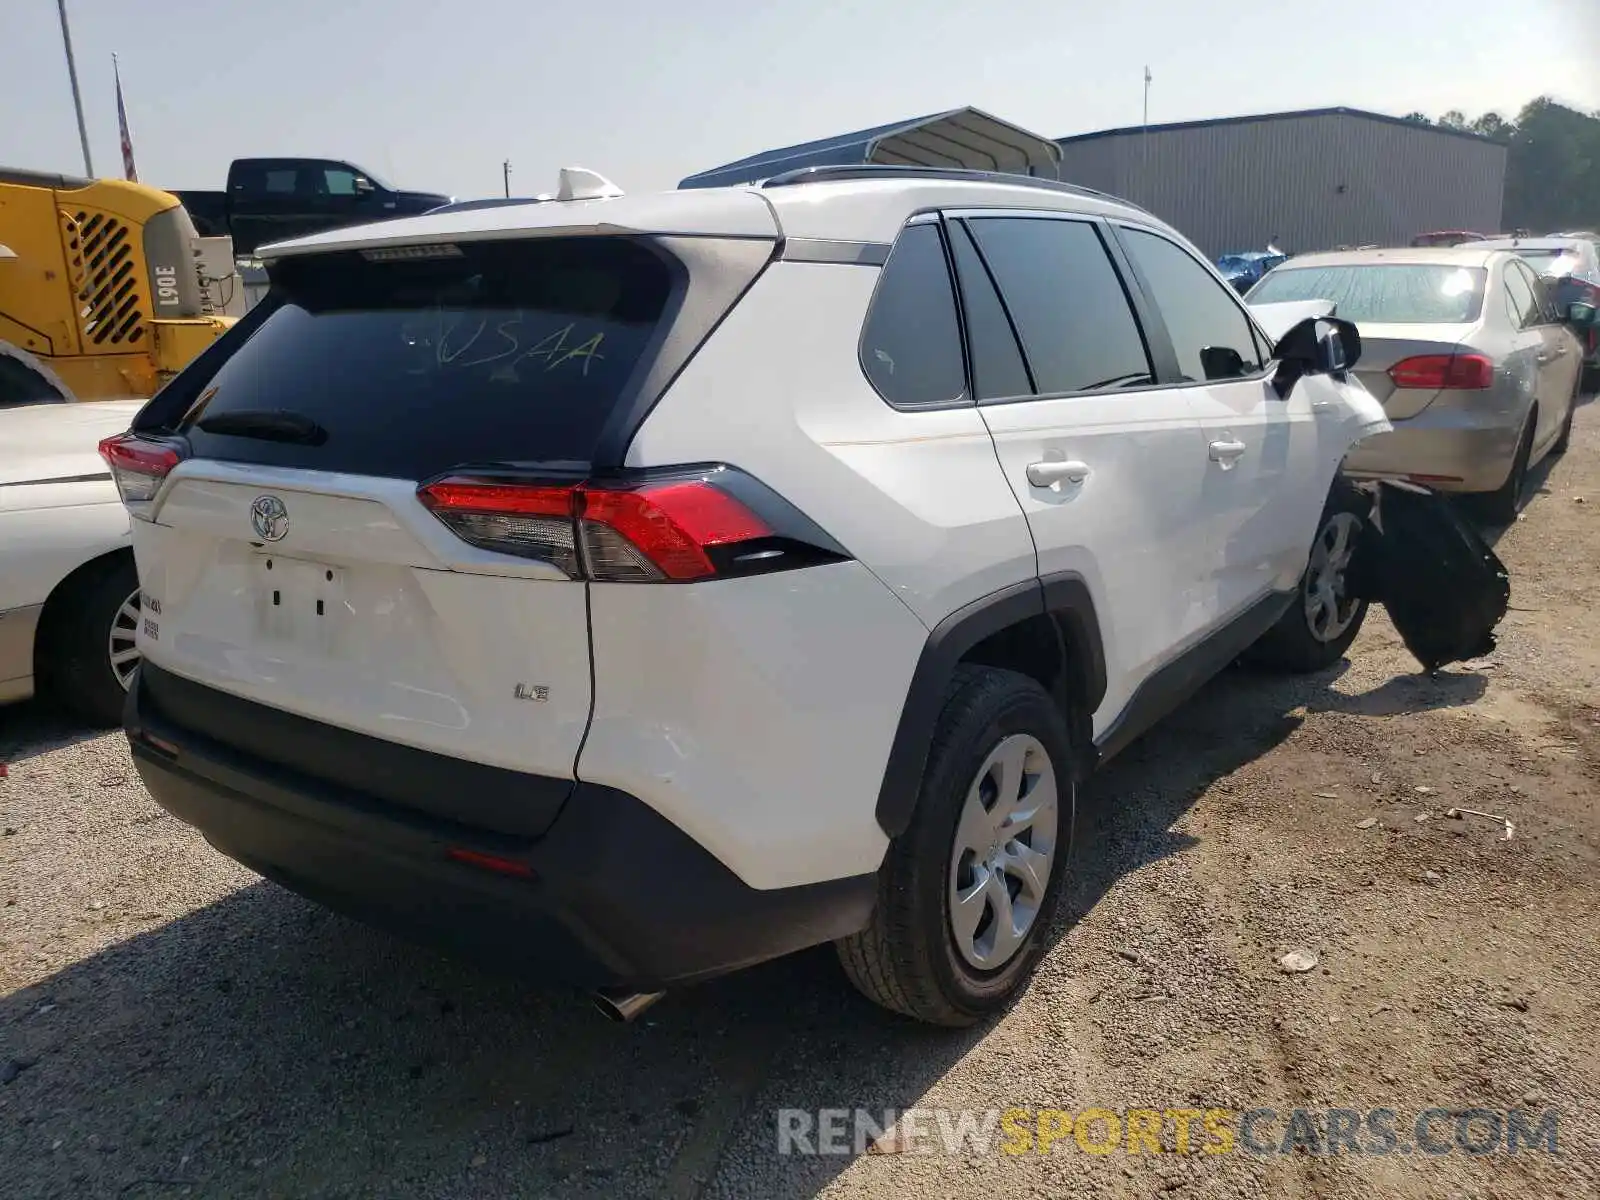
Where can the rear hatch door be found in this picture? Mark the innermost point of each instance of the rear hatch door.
(288, 560)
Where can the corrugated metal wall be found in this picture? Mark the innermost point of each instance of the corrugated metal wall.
(1233, 186)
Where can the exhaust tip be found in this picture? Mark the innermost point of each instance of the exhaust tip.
(624, 1007)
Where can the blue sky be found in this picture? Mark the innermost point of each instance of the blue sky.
(435, 95)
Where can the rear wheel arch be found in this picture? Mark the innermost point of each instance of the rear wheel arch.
(1045, 629)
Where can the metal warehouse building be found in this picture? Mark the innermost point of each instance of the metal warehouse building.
(1308, 180)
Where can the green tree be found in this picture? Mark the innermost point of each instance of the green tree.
(1493, 125)
(1553, 169)
(1552, 163)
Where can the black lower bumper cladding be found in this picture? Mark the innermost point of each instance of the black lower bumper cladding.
(611, 894)
(1444, 587)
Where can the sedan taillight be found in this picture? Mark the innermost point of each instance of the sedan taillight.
(1438, 372)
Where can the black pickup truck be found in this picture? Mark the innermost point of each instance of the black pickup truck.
(269, 199)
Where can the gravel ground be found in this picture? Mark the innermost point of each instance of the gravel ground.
(171, 1025)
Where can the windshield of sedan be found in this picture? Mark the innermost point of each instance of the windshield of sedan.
(1399, 293)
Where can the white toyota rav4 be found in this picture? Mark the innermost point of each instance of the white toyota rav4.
(637, 588)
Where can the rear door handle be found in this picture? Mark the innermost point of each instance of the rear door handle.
(1047, 474)
(1226, 452)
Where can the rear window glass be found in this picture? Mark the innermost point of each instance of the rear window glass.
(500, 351)
(1553, 261)
(1425, 294)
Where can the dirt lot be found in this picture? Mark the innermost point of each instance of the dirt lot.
(170, 1025)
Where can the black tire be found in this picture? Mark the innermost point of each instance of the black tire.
(1293, 646)
(1590, 379)
(1500, 506)
(907, 960)
(73, 661)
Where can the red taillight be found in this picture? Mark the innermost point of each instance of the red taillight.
(637, 534)
(490, 862)
(138, 465)
(1435, 372)
(671, 525)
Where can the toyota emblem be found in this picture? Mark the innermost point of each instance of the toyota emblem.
(269, 518)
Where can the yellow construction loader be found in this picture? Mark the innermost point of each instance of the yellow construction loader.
(105, 291)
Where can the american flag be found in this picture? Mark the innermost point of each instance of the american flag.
(128, 169)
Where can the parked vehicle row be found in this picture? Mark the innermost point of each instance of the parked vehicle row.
(1473, 362)
(1476, 362)
(1570, 267)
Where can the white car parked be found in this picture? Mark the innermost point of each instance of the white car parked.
(638, 588)
(68, 592)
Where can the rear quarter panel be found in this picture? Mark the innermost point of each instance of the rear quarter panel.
(917, 497)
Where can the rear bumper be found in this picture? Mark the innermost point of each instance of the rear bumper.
(614, 896)
(1442, 451)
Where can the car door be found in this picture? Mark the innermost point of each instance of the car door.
(1270, 463)
(262, 201)
(1559, 358)
(1107, 465)
(1532, 361)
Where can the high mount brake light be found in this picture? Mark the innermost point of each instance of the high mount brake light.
(648, 532)
(138, 465)
(1452, 372)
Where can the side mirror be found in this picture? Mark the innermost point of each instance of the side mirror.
(1316, 346)
(363, 186)
(1582, 315)
(1221, 362)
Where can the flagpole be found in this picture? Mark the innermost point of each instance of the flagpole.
(77, 97)
(129, 171)
(1144, 141)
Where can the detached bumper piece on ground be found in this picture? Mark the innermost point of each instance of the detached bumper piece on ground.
(1444, 587)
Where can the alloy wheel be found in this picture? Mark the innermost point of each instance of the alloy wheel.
(1005, 848)
(122, 641)
(1329, 607)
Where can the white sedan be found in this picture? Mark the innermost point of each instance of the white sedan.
(69, 595)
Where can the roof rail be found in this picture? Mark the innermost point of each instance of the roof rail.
(848, 171)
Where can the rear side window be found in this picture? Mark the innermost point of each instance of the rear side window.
(911, 342)
(1211, 335)
(1522, 305)
(499, 351)
(1543, 293)
(1077, 327)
